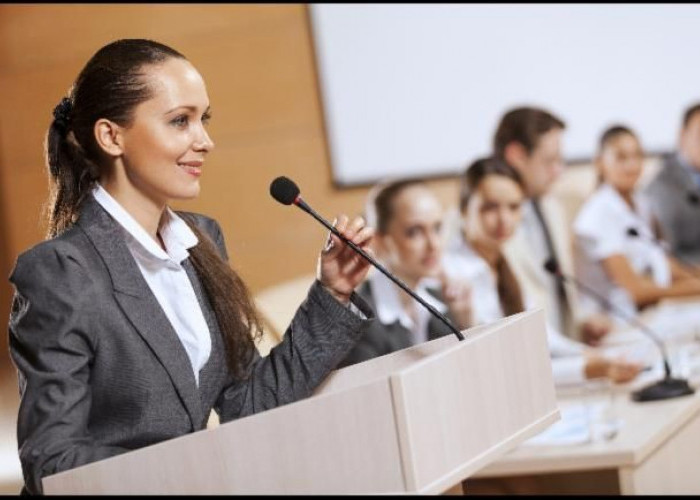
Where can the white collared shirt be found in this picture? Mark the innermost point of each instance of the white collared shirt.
(165, 275)
(600, 230)
(462, 262)
(534, 233)
(389, 308)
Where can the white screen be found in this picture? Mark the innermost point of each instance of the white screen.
(418, 89)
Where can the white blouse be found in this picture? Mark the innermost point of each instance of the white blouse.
(600, 231)
(462, 262)
(389, 308)
(165, 275)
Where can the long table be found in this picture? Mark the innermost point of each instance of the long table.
(657, 447)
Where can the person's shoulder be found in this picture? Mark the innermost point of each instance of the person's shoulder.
(70, 243)
(202, 221)
(665, 176)
(57, 257)
(592, 212)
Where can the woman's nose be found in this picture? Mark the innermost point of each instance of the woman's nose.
(203, 142)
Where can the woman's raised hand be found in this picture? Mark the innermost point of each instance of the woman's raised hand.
(457, 295)
(341, 269)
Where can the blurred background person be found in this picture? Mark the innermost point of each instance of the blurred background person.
(409, 242)
(529, 140)
(675, 191)
(491, 203)
(630, 272)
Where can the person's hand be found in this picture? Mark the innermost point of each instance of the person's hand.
(617, 370)
(594, 328)
(340, 269)
(457, 295)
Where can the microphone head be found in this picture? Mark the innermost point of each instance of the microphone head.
(550, 265)
(631, 231)
(693, 198)
(284, 190)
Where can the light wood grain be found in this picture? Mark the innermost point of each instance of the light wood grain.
(654, 452)
(417, 421)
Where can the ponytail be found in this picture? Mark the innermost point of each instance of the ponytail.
(71, 174)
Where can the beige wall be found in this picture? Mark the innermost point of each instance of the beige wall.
(258, 63)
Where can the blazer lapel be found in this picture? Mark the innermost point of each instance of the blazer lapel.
(140, 305)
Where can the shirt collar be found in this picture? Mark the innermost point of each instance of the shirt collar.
(176, 234)
(388, 304)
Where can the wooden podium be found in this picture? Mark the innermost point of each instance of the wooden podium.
(418, 420)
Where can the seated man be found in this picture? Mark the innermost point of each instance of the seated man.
(675, 191)
(528, 139)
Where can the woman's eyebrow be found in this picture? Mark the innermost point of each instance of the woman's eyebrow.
(188, 107)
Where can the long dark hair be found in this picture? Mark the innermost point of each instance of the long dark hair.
(110, 86)
(509, 293)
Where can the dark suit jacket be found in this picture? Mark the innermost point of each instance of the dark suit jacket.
(380, 339)
(101, 370)
(679, 219)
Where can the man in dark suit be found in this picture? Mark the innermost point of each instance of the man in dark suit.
(675, 191)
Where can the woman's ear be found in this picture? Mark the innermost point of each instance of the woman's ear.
(108, 137)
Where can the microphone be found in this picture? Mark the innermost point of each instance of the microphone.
(634, 233)
(285, 191)
(666, 388)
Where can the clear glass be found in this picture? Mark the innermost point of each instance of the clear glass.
(600, 397)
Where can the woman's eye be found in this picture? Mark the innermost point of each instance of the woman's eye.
(205, 118)
(180, 121)
(412, 232)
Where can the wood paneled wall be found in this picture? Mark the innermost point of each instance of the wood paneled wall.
(258, 62)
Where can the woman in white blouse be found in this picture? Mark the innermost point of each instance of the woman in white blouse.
(617, 250)
(490, 204)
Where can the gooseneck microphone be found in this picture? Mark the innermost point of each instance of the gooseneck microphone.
(666, 388)
(692, 268)
(285, 191)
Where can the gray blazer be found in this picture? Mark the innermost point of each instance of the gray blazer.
(380, 339)
(101, 370)
(678, 217)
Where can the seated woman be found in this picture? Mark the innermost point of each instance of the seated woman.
(408, 241)
(615, 249)
(490, 204)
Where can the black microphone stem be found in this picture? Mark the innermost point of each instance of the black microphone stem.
(689, 266)
(301, 204)
(630, 320)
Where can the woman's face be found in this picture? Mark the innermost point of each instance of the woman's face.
(412, 245)
(494, 211)
(165, 145)
(620, 162)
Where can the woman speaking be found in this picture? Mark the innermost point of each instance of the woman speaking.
(128, 326)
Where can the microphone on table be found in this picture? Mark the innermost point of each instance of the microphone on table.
(692, 268)
(666, 388)
(285, 191)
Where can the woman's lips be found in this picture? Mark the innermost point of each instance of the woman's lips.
(192, 167)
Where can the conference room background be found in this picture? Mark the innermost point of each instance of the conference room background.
(268, 120)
